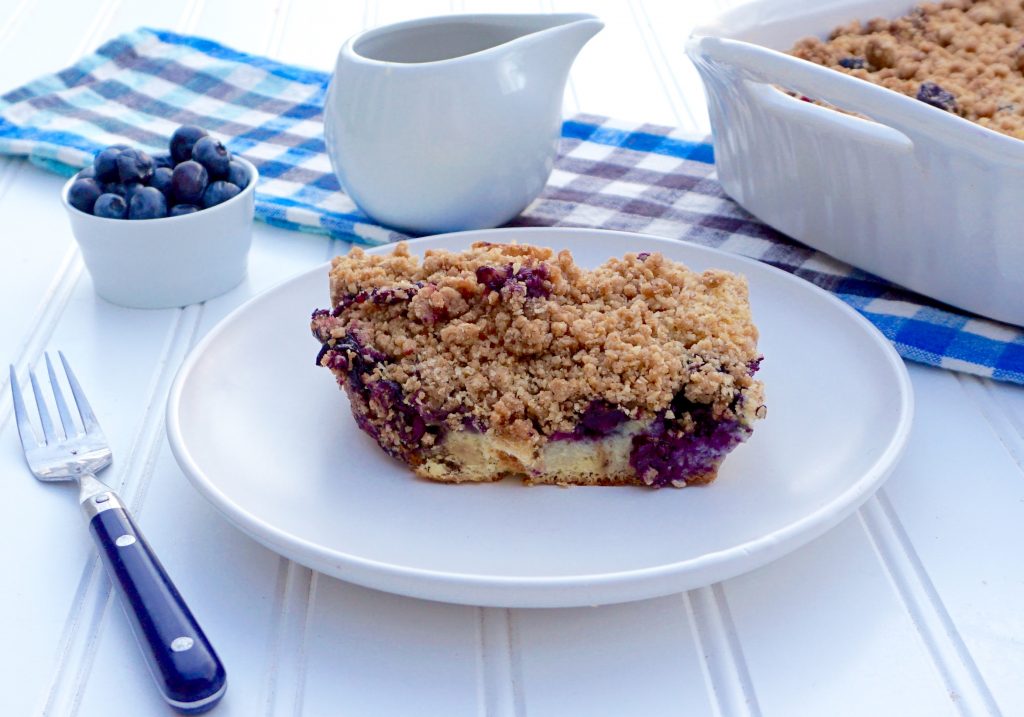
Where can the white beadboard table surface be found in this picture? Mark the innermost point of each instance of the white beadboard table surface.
(913, 606)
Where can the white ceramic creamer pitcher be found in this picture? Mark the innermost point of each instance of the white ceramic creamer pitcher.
(451, 123)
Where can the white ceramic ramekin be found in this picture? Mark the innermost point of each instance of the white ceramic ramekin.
(918, 196)
(174, 261)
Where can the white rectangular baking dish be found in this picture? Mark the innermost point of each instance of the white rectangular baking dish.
(918, 196)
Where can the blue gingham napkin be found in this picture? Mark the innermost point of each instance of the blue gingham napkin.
(138, 87)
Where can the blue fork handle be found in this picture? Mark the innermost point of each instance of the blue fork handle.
(187, 671)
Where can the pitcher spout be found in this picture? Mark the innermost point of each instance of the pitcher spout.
(563, 38)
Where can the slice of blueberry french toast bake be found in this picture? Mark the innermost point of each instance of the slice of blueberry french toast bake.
(511, 360)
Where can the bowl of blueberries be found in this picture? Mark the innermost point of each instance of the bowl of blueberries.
(164, 230)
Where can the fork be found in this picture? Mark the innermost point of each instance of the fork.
(187, 671)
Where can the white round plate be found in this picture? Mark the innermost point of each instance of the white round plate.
(267, 437)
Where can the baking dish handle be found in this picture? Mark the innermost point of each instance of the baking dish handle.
(905, 115)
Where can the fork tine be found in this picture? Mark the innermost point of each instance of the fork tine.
(89, 421)
(28, 436)
(70, 429)
(44, 412)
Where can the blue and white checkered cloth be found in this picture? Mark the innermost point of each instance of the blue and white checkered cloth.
(140, 86)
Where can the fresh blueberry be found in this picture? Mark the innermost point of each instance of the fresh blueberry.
(852, 63)
(182, 141)
(116, 188)
(219, 192)
(932, 94)
(111, 206)
(87, 173)
(163, 160)
(237, 174)
(161, 180)
(178, 209)
(131, 189)
(148, 203)
(188, 182)
(134, 165)
(105, 163)
(83, 194)
(213, 155)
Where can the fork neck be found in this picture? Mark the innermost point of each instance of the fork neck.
(95, 496)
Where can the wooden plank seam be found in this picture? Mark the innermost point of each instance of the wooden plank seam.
(65, 700)
(190, 16)
(730, 688)
(292, 607)
(302, 661)
(13, 19)
(685, 118)
(1002, 421)
(966, 688)
(43, 323)
(499, 672)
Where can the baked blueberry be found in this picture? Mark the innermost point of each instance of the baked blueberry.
(528, 279)
(213, 155)
(491, 277)
(161, 180)
(600, 419)
(148, 203)
(134, 165)
(852, 63)
(219, 192)
(83, 193)
(533, 279)
(933, 94)
(188, 182)
(183, 140)
(111, 206)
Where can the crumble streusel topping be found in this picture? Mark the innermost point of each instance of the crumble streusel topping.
(963, 56)
(529, 340)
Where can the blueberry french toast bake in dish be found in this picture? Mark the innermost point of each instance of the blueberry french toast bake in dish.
(963, 56)
(508, 359)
